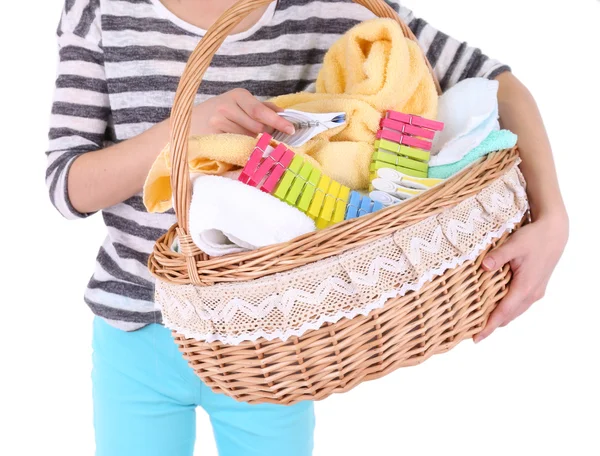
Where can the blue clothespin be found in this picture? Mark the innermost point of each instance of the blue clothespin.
(377, 206)
(353, 205)
(365, 206)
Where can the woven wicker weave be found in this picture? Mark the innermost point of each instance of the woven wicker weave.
(338, 356)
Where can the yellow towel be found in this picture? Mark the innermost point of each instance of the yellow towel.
(370, 69)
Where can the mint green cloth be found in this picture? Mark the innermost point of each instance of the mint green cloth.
(496, 140)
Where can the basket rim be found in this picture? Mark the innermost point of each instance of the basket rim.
(174, 267)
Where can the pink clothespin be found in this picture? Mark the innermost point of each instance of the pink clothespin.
(280, 167)
(415, 120)
(255, 158)
(407, 129)
(266, 165)
(405, 140)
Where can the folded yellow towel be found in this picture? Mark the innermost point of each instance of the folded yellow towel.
(370, 69)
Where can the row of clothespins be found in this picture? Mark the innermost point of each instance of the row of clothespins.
(276, 170)
(399, 171)
(400, 161)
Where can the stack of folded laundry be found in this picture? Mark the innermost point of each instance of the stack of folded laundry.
(469, 111)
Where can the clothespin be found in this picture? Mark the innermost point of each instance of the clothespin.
(298, 184)
(385, 199)
(398, 160)
(366, 205)
(377, 206)
(255, 158)
(415, 120)
(277, 172)
(309, 190)
(324, 219)
(393, 189)
(267, 165)
(288, 177)
(404, 139)
(340, 205)
(399, 149)
(406, 129)
(405, 180)
(353, 205)
(315, 206)
(377, 164)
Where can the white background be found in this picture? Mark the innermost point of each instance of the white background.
(531, 389)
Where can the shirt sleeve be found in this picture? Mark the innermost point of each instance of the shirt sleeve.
(80, 109)
(452, 60)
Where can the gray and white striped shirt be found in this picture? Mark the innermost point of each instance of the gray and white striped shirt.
(120, 62)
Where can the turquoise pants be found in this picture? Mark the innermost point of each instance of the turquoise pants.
(145, 399)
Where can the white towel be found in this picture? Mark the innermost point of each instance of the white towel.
(469, 111)
(227, 216)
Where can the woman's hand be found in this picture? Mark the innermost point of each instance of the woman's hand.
(237, 111)
(533, 252)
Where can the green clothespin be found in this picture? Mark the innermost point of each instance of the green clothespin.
(298, 184)
(400, 149)
(288, 177)
(397, 160)
(309, 190)
(375, 165)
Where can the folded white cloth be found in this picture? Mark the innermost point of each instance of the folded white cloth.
(227, 216)
(469, 111)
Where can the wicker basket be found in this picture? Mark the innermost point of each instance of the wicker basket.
(404, 329)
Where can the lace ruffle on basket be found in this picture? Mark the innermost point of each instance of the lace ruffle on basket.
(353, 283)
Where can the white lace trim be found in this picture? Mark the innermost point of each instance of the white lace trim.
(351, 284)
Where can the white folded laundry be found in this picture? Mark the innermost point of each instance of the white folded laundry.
(227, 216)
(469, 111)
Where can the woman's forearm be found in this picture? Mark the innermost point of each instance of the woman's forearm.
(519, 113)
(534, 250)
(103, 178)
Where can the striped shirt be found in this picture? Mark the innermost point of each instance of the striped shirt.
(120, 62)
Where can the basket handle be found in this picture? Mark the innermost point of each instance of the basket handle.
(196, 66)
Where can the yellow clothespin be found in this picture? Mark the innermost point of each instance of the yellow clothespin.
(315, 207)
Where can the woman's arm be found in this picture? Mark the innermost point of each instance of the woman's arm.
(102, 178)
(82, 175)
(108, 176)
(452, 59)
(533, 251)
(519, 114)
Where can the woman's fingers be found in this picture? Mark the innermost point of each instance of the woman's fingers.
(503, 254)
(229, 126)
(533, 252)
(273, 106)
(221, 124)
(526, 288)
(503, 313)
(262, 113)
(509, 252)
(238, 116)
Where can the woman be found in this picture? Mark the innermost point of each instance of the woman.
(120, 63)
